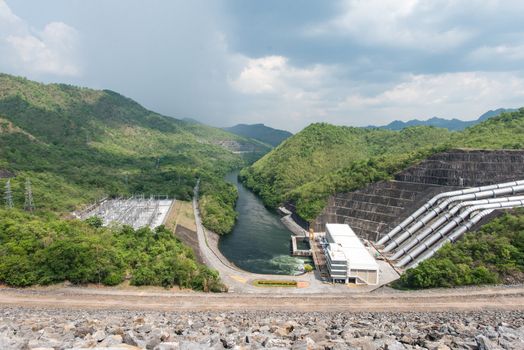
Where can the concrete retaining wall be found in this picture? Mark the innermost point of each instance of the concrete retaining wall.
(373, 210)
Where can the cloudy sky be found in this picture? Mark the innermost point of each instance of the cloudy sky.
(279, 62)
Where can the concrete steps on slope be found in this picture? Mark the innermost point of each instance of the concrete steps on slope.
(375, 209)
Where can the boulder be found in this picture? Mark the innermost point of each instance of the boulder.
(168, 346)
(484, 343)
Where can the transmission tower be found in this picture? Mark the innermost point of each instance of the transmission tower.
(8, 195)
(29, 204)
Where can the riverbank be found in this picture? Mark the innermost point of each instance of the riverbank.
(260, 241)
(241, 281)
(293, 227)
(236, 279)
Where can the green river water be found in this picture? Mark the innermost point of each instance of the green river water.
(259, 242)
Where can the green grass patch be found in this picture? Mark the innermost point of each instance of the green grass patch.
(274, 283)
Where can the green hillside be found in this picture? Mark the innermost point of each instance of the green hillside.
(77, 145)
(324, 159)
(270, 136)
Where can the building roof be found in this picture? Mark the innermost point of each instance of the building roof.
(347, 243)
(336, 253)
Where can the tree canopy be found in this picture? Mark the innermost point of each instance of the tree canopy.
(493, 254)
(324, 159)
(46, 249)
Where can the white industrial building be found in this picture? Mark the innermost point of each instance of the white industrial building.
(347, 259)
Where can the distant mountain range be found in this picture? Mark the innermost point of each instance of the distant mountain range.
(450, 124)
(266, 134)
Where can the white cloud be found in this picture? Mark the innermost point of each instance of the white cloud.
(501, 53)
(274, 74)
(7, 17)
(398, 23)
(50, 51)
(287, 96)
(282, 94)
(445, 95)
(370, 63)
(260, 75)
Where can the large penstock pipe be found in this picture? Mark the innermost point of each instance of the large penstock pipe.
(453, 237)
(443, 205)
(446, 203)
(409, 232)
(452, 224)
(429, 204)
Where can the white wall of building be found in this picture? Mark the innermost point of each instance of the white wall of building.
(347, 257)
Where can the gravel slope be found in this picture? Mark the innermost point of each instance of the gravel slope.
(22, 328)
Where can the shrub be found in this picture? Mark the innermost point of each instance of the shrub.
(493, 254)
(46, 249)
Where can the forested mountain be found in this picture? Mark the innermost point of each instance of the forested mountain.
(324, 159)
(450, 124)
(273, 137)
(76, 145)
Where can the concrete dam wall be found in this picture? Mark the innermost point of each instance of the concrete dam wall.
(377, 208)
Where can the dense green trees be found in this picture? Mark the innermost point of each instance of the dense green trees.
(324, 159)
(493, 254)
(217, 204)
(45, 249)
(77, 145)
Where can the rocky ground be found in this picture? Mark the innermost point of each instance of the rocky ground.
(29, 328)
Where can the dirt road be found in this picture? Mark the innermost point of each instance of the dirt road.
(500, 298)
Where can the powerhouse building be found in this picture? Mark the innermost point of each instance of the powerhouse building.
(347, 259)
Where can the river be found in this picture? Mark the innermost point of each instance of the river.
(259, 241)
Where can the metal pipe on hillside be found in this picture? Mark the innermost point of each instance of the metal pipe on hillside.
(435, 199)
(443, 205)
(454, 222)
(453, 237)
(404, 224)
(409, 232)
(433, 227)
(465, 204)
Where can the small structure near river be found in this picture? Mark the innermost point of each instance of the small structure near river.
(295, 251)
